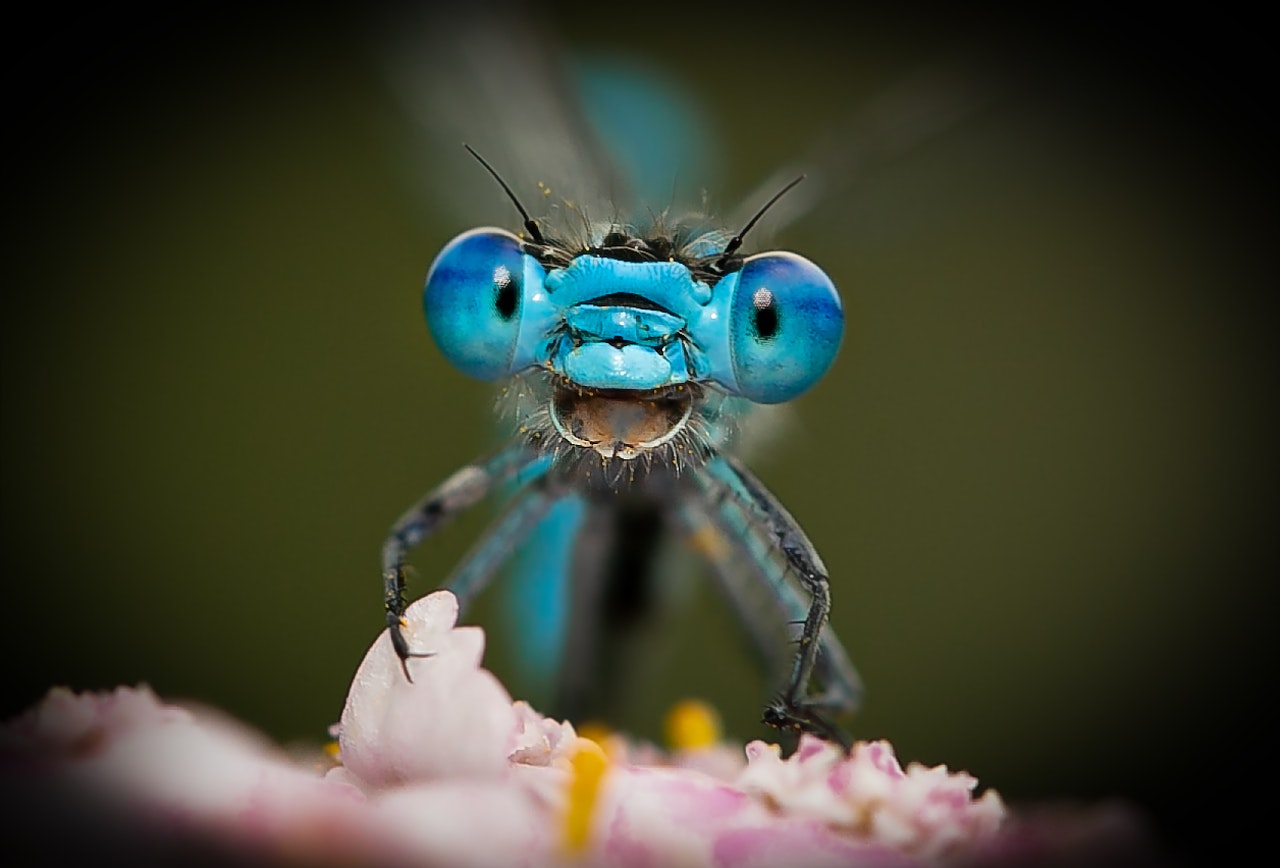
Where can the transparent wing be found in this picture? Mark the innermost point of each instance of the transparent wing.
(609, 137)
(588, 138)
(916, 110)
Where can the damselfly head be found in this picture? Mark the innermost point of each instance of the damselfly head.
(632, 327)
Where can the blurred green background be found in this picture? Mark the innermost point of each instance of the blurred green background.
(1038, 472)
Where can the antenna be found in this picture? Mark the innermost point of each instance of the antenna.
(531, 225)
(736, 241)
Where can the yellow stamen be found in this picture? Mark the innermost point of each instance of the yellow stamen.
(588, 765)
(690, 725)
(330, 757)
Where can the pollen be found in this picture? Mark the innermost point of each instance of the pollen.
(587, 769)
(330, 757)
(690, 725)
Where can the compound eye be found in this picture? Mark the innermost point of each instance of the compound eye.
(472, 300)
(785, 324)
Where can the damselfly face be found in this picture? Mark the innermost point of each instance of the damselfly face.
(638, 338)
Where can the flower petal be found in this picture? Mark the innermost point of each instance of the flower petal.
(454, 719)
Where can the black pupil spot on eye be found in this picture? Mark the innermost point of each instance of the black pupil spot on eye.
(506, 294)
(764, 314)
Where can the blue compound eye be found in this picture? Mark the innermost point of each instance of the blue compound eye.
(472, 300)
(785, 324)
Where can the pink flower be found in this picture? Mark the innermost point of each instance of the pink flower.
(125, 759)
(447, 770)
(928, 812)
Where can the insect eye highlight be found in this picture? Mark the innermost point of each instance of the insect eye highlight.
(764, 314)
(506, 288)
(785, 326)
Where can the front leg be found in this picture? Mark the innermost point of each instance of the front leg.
(465, 488)
(796, 709)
